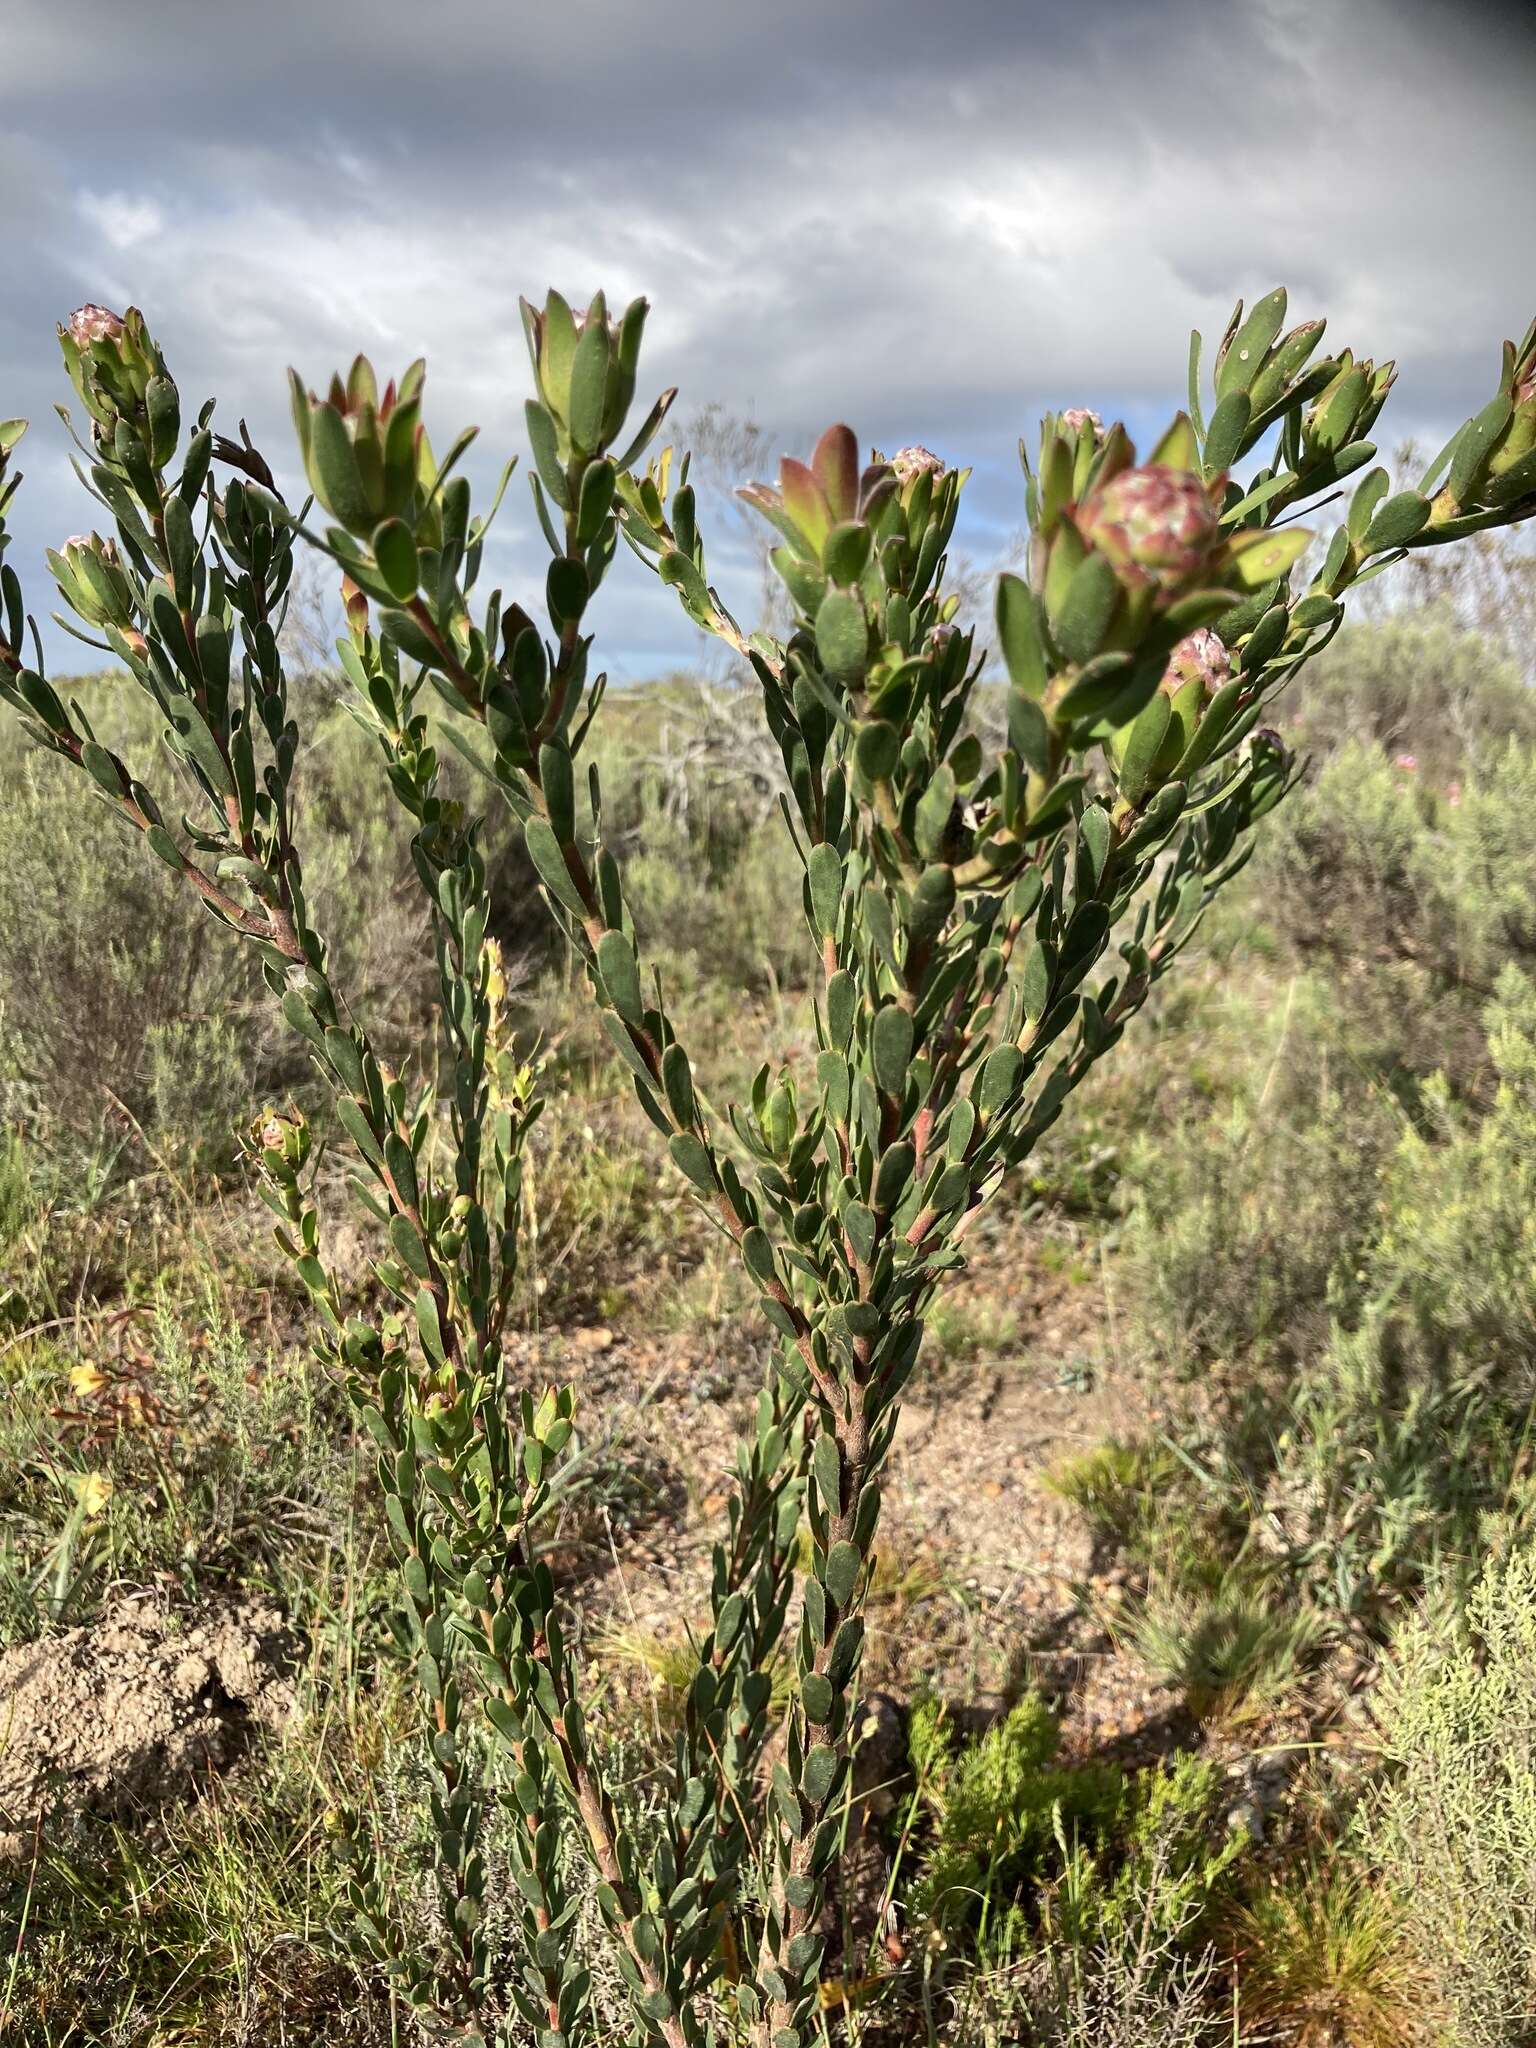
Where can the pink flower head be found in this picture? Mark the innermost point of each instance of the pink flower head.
(1409, 763)
(93, 323)
(910, 463)
(1077, 416)
(1200, 657)
(1154, 525)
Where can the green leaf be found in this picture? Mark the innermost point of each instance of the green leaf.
(546, 453)
(597, 488)
(1018, 630)
(1397, 522)
(1000, 1076)
(1478, 437)
(621, 976)
(846, 551)
(1261, 557)
(1229, 423)
(877, 750)
(394, 549)
(892, 1175)
(827, 1470)
(1141, 747)
(1083, 617)
(841, 1572)
(861, 1228)
(566, 589)
(334, 471)
(549, 865)
(589, 381)
(842, 634)
(162, 843)
(824, 873)
(841, 999)
(101, 767)
(428, 1326)
(933, 901)
(757, 1256)
(691, 1158)
(677, 1079)
(934, 809)
(408, 1247)
(1246, 353)
(817, 1698)
(818, 1774)
(1055, 806)
(676, 569)
(891, 1048)
(1035, 981)
(301, 1018)
(1369, 493)
(346, 1060)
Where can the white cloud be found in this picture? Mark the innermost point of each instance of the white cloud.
(122, 219)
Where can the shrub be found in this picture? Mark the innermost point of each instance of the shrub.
(961, 903)
(1453, 1830)
(1420, 685)
(994, 1805)
(1372, 1328)
(1015, 1845)
(1247, 1213)
(117, 996)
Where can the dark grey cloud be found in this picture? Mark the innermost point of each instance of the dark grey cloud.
(933, 220)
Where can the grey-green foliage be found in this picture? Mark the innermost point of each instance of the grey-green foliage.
(1368, 1272)
(1420, 684)
(1249, 1208)
(1377, 865)
(986, 925)
(114, 983)
(112, 978)
(1453, 1828)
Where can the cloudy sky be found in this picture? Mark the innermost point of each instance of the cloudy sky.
(931, 219)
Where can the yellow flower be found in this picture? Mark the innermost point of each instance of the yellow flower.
(92, 1491)
(86, 1379)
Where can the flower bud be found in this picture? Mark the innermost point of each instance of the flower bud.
(1076, 417)
(116, 366)
(90, 323)
(363, 453)
(1493, 460)
(1156, 526)
(1200, 657)
(1345, 409)
(584, 366)
(907, 464)
(355, 607)
(285, 1137)
(90, 577)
